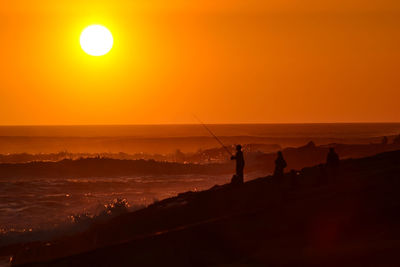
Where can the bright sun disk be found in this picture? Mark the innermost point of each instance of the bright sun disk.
(96, 40)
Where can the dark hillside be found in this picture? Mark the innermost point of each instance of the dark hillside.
(352, 219)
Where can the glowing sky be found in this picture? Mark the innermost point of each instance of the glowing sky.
(227, 61)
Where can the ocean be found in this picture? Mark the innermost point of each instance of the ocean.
(28, 205)
(187, 138)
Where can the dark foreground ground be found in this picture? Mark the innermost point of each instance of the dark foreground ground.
(352, 219)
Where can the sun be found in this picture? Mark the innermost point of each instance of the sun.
(96, 40)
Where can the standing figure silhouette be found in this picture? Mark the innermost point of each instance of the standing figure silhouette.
(280, 165)
(239, 177)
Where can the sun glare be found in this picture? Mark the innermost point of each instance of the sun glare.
(96, 40)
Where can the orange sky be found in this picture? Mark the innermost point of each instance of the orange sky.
(228, 61)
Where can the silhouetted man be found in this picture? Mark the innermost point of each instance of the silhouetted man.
(239, 165)
(280, 165)
(332, 161)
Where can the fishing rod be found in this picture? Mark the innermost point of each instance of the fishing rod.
(216, 137)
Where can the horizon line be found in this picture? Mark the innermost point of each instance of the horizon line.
(183, 124)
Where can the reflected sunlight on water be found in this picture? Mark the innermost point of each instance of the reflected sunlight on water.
(24, 202)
